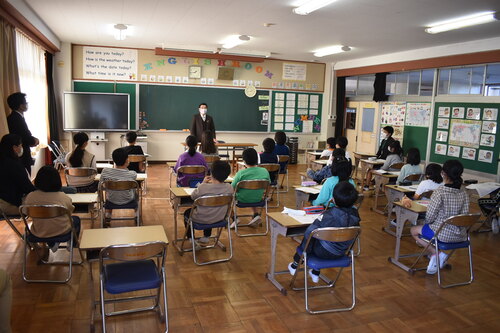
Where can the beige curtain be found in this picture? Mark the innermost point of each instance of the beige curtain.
(9, 74)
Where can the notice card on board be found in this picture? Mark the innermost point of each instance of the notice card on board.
(104, 63)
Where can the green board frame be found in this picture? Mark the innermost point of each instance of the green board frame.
(476, 165)
(298, 123)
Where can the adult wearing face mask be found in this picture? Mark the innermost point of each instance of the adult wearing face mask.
(17, 125)
(383, 149)
(202, 122)
(15, 182)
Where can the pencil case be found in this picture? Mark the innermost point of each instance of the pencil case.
(314, 209)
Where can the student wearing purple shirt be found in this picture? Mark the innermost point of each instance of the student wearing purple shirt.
(191, 157)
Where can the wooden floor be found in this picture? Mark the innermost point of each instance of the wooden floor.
(236, 297)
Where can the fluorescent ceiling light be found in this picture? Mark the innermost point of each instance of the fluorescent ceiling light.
(250, 53)
(462, 22)
(120, 31)
(331, 50)
(311, 6)
(234, 40)
(189, 48)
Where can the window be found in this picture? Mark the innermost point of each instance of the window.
(401, 83)
(410, 83)
(351, 85)
(444, 81)
(426, 82)
(492, 80)
(365, 85)
(350, 118)
(413, 83)
(467, 80)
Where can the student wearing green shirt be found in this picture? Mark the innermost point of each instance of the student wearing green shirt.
(251, 172)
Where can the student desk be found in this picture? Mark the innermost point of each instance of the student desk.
(97, 239)
(101, 165)
(403, 215)
(317, 165)
(381, 180)
(311, 156)
(368, 165)
(395, 193)
(179, 197)
(286, 226)
(89, 199)
(357, 158)
(302, 194)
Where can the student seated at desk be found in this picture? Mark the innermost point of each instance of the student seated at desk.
(330, 147)
(268, 156)
(251, 172)
(383, 149)
(393, 158)
(446, 201)
(341, 171)
(133, 149)
(48, 192)
(433, 180)
(119, 172)
(343, 214)
(211, 185)
(15, 183)
(325, 172)
(191, 157)
(78, 158)
(281, 148)
(412, 165)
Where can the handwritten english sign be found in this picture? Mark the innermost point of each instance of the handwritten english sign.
(109, 63)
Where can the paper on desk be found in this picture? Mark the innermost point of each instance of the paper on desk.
(189, 190)
(380, 172)
(311, 190)
(396, 173)
(293, 212)
(484, 188)
(306, 219)
(409, 188)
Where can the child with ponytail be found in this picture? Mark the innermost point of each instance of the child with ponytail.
(446, 201)
(79, 158)
(191, 157)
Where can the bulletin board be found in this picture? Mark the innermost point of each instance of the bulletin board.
(294, 111)
(467, 132)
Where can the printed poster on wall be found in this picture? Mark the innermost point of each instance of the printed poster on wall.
(418, 114)
(109, 63)
(295, 72)
(466, 133)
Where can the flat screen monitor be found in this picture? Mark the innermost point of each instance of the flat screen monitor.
(96, 111)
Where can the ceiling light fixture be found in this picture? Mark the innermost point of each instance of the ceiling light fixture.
(234, 40)
(331, 50)
(189, 48)
(462, 22)
(120, 31)
(250, 53)
(311, 6)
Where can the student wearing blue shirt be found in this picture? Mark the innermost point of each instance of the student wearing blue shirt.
(269, 157)
(412, 166)
(341, 171)
(281, 148)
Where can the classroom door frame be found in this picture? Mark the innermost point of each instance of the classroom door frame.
(359, 140)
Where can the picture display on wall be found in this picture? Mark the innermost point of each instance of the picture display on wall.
(469, 153)
(296, 111)
(442, 136)
(440, 149)
(490, 114)
(443, 123)
(473, 113)
(485, 156)
(454, 151)
(458, 113)
(418, 114)
(487, 140)
(444, 111)
(466, 133)
(489, 127)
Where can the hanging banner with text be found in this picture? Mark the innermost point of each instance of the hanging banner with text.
(109, 63)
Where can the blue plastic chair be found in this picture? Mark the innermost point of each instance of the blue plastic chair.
(310, 261)
(251, 185)
(464, 221)
(140, 267)
(212, 201)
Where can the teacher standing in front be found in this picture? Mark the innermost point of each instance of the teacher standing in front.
(202, 122)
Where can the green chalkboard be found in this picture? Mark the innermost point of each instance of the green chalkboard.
(415, 137)
(108, 87)
(173, 107)
(474, 161)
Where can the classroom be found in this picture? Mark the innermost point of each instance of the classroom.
(396, 100)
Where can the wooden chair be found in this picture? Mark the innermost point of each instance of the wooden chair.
(212, 201)
(135, 271)
(251, 185)
(413, 178)
(75, 177)
(284, 159)
(397, 166)
(349, 234)
(143, 163)
(193, 170)
(273, 168)
(36, 214)
(465, 221)
(120, 186)
(427, 194)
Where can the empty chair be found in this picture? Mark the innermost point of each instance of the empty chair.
(283, 160)
(250, 185)
(119, 186)
(348, 234)
(140, 267)
(223, 201)
(40, 214)
(273, 169)
(464, 220)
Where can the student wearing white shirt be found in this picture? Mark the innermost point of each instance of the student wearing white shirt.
(433, 180)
